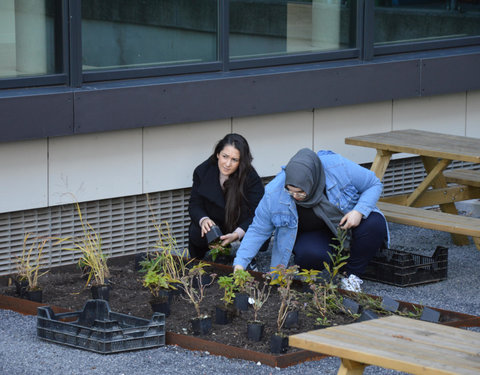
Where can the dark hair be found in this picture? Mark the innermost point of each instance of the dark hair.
(234, 186)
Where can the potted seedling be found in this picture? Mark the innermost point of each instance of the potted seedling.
(92, 259)
(258, 295)
(220, 254)
(283, 278)
(159, 283)
(240, 279)
(202, 323)
(309, 277)
(224, 313)
(28, 268)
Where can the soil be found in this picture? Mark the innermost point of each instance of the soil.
(65, 288)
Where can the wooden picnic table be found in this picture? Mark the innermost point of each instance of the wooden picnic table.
(437, 151)
(397, 343)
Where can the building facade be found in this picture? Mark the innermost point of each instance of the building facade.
(113, 103)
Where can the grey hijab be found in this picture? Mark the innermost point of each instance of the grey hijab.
(304, 171)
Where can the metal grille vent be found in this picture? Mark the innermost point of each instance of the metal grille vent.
(125, 225)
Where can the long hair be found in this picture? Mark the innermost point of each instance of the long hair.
(234, 185)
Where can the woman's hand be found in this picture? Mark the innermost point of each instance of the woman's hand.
(351, 220)
(206, 225)
(237, 267)
(229, 238)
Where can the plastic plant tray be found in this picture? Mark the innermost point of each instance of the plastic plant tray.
(100, 330)
(401, 268)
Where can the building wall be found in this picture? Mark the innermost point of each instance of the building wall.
(60, 170)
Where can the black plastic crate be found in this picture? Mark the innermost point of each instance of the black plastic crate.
(401, 268)
(100, 330)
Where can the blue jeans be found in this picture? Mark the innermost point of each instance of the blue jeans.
(311, 248)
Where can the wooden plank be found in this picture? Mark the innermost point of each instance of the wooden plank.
(399, 343)
(430, 219)
(420, 142)
(380, 163)
(398, 358)
(433, 197)
(467, 177)
(428, 181)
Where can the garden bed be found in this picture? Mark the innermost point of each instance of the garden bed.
(64, 288)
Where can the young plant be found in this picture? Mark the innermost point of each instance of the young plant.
(240, 279)
(309, 276)
(257, 296)
(283, 277)
(226, 283)
(217, 250)
(155, 279)
(28, 264)
(92, 258)
(338, 258)
(196, 293)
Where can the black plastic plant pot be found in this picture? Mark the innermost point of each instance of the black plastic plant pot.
(101, 292)
(214, 234)
(161, 307)
(201, 326)
(278, 344)
(241, 301)
(255, 331)
(34, 295)
(292, 319)
(222, 315)
(21, 286)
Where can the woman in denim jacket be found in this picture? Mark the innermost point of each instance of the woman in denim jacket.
(306, 203)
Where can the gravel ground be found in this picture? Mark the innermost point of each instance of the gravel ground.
(22, 353)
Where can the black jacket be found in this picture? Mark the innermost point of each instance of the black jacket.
(207, 198)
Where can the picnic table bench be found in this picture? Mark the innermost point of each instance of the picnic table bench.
(437, 151)
(397, 343)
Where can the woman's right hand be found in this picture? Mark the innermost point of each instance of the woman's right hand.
(206, 225)
(237, 267)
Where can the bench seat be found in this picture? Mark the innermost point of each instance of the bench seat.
(430, 219)
(469, 177)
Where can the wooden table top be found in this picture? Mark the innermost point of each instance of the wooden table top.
(424, 143)
(398, 343)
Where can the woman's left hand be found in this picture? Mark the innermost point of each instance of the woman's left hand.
(351, 220)
(229, 238)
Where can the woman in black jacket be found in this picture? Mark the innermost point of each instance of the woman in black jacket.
(226, 190)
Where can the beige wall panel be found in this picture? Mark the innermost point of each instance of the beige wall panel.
(95, 166)
(473, 114)
(442, 114)
(274, 139)
(23, 171)
(333, 125)
(172, 152)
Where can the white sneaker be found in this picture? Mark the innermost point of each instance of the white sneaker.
(352, 283)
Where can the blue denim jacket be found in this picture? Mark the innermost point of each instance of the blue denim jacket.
(349, 186)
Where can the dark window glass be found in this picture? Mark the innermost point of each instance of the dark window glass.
(261, 28)
(135, 33)
(27, 38)
(398, 21)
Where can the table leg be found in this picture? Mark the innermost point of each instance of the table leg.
(348, 367)
(440, 182)
(380, 163)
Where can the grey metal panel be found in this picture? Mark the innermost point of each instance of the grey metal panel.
(35, 116)
(443, 75)
(125, 107)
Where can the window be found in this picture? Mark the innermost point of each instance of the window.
(138, 34)
(28, 38)
(407, 21)
(265, 28)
